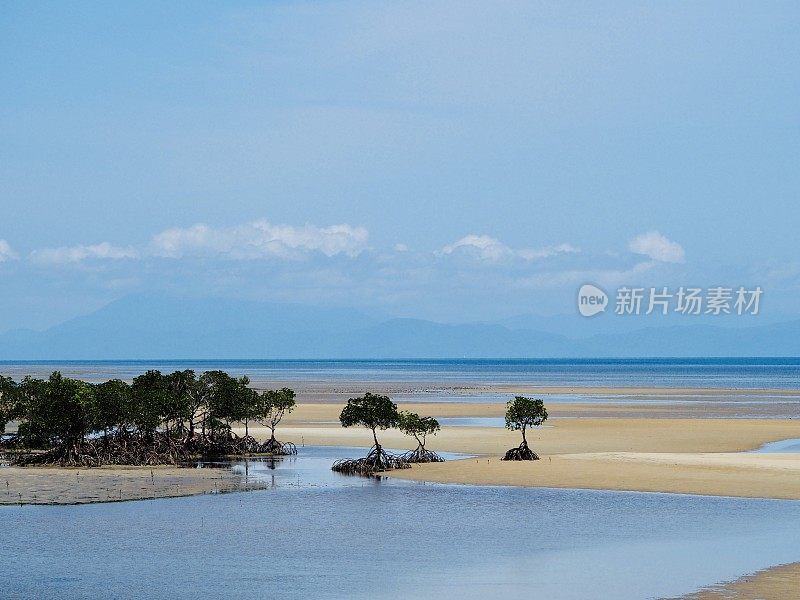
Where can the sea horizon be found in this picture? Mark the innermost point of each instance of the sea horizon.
(722, 373)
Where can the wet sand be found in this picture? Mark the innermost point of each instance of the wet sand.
(664, 447)
(53, 485)
(641, 453)
(634, 391)
(755, 476)
(777, 583)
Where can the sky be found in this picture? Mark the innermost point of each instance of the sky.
(446, 160)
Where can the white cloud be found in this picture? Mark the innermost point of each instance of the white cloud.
(488, 248)
(259, 239)
(77, 254)
(483, 246)
(657, 247)
(6, 253)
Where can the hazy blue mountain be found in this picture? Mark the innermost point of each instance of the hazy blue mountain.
(150, 327)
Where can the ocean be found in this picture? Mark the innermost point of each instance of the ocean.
(740, 373)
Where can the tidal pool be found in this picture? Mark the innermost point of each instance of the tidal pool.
(316, 534)
(791, 445)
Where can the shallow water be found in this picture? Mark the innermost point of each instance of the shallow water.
(480, 422)
(319, 534)
(472, 421)
(790, 445)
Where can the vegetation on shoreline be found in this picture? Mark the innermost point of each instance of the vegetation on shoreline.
(158, 419)
(419, 428)
(521, 413)
(169, 419)
(373, 412)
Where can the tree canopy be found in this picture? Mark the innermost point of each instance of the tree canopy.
(65, 416)
(417, 427)
(273, 405)
(371, 411)
(522, 412)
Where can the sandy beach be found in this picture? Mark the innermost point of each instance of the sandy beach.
(604, 447)
(662, 447)
(641, 451)
(776, 583)
(648, 454)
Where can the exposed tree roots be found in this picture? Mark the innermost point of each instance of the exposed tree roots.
(421, 455)
(276, 448)
(137, 448)
(376, 461)
(522, 452)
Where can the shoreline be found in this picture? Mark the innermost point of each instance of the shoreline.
(773, 583)
(641, 451)
(58, 486)
(646, 454)
(585, 447)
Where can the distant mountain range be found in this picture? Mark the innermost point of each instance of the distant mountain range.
(153, 327)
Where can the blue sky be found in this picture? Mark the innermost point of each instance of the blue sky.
(446, 160)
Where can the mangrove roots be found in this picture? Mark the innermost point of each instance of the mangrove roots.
(376, 461)
(421, 455)
(522, 452)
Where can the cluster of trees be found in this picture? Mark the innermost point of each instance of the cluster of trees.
(379, 413)
(168, 418)
(158, 418)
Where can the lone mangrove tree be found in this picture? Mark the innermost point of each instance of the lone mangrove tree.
(521, 413)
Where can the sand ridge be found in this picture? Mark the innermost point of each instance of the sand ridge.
(692, 456)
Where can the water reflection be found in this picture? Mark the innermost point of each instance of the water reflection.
(310, 468)
(318, 534)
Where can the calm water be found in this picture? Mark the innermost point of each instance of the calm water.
(790, 445)
(322, 535)
(747, 373)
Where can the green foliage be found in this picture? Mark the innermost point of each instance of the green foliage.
(113, 404)
(60, 410)
(8, 401)
(62, 413)
(522, 412)
(229, 399)
(273, 405)
(418, 427)
(151, 398)
(370, 410)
